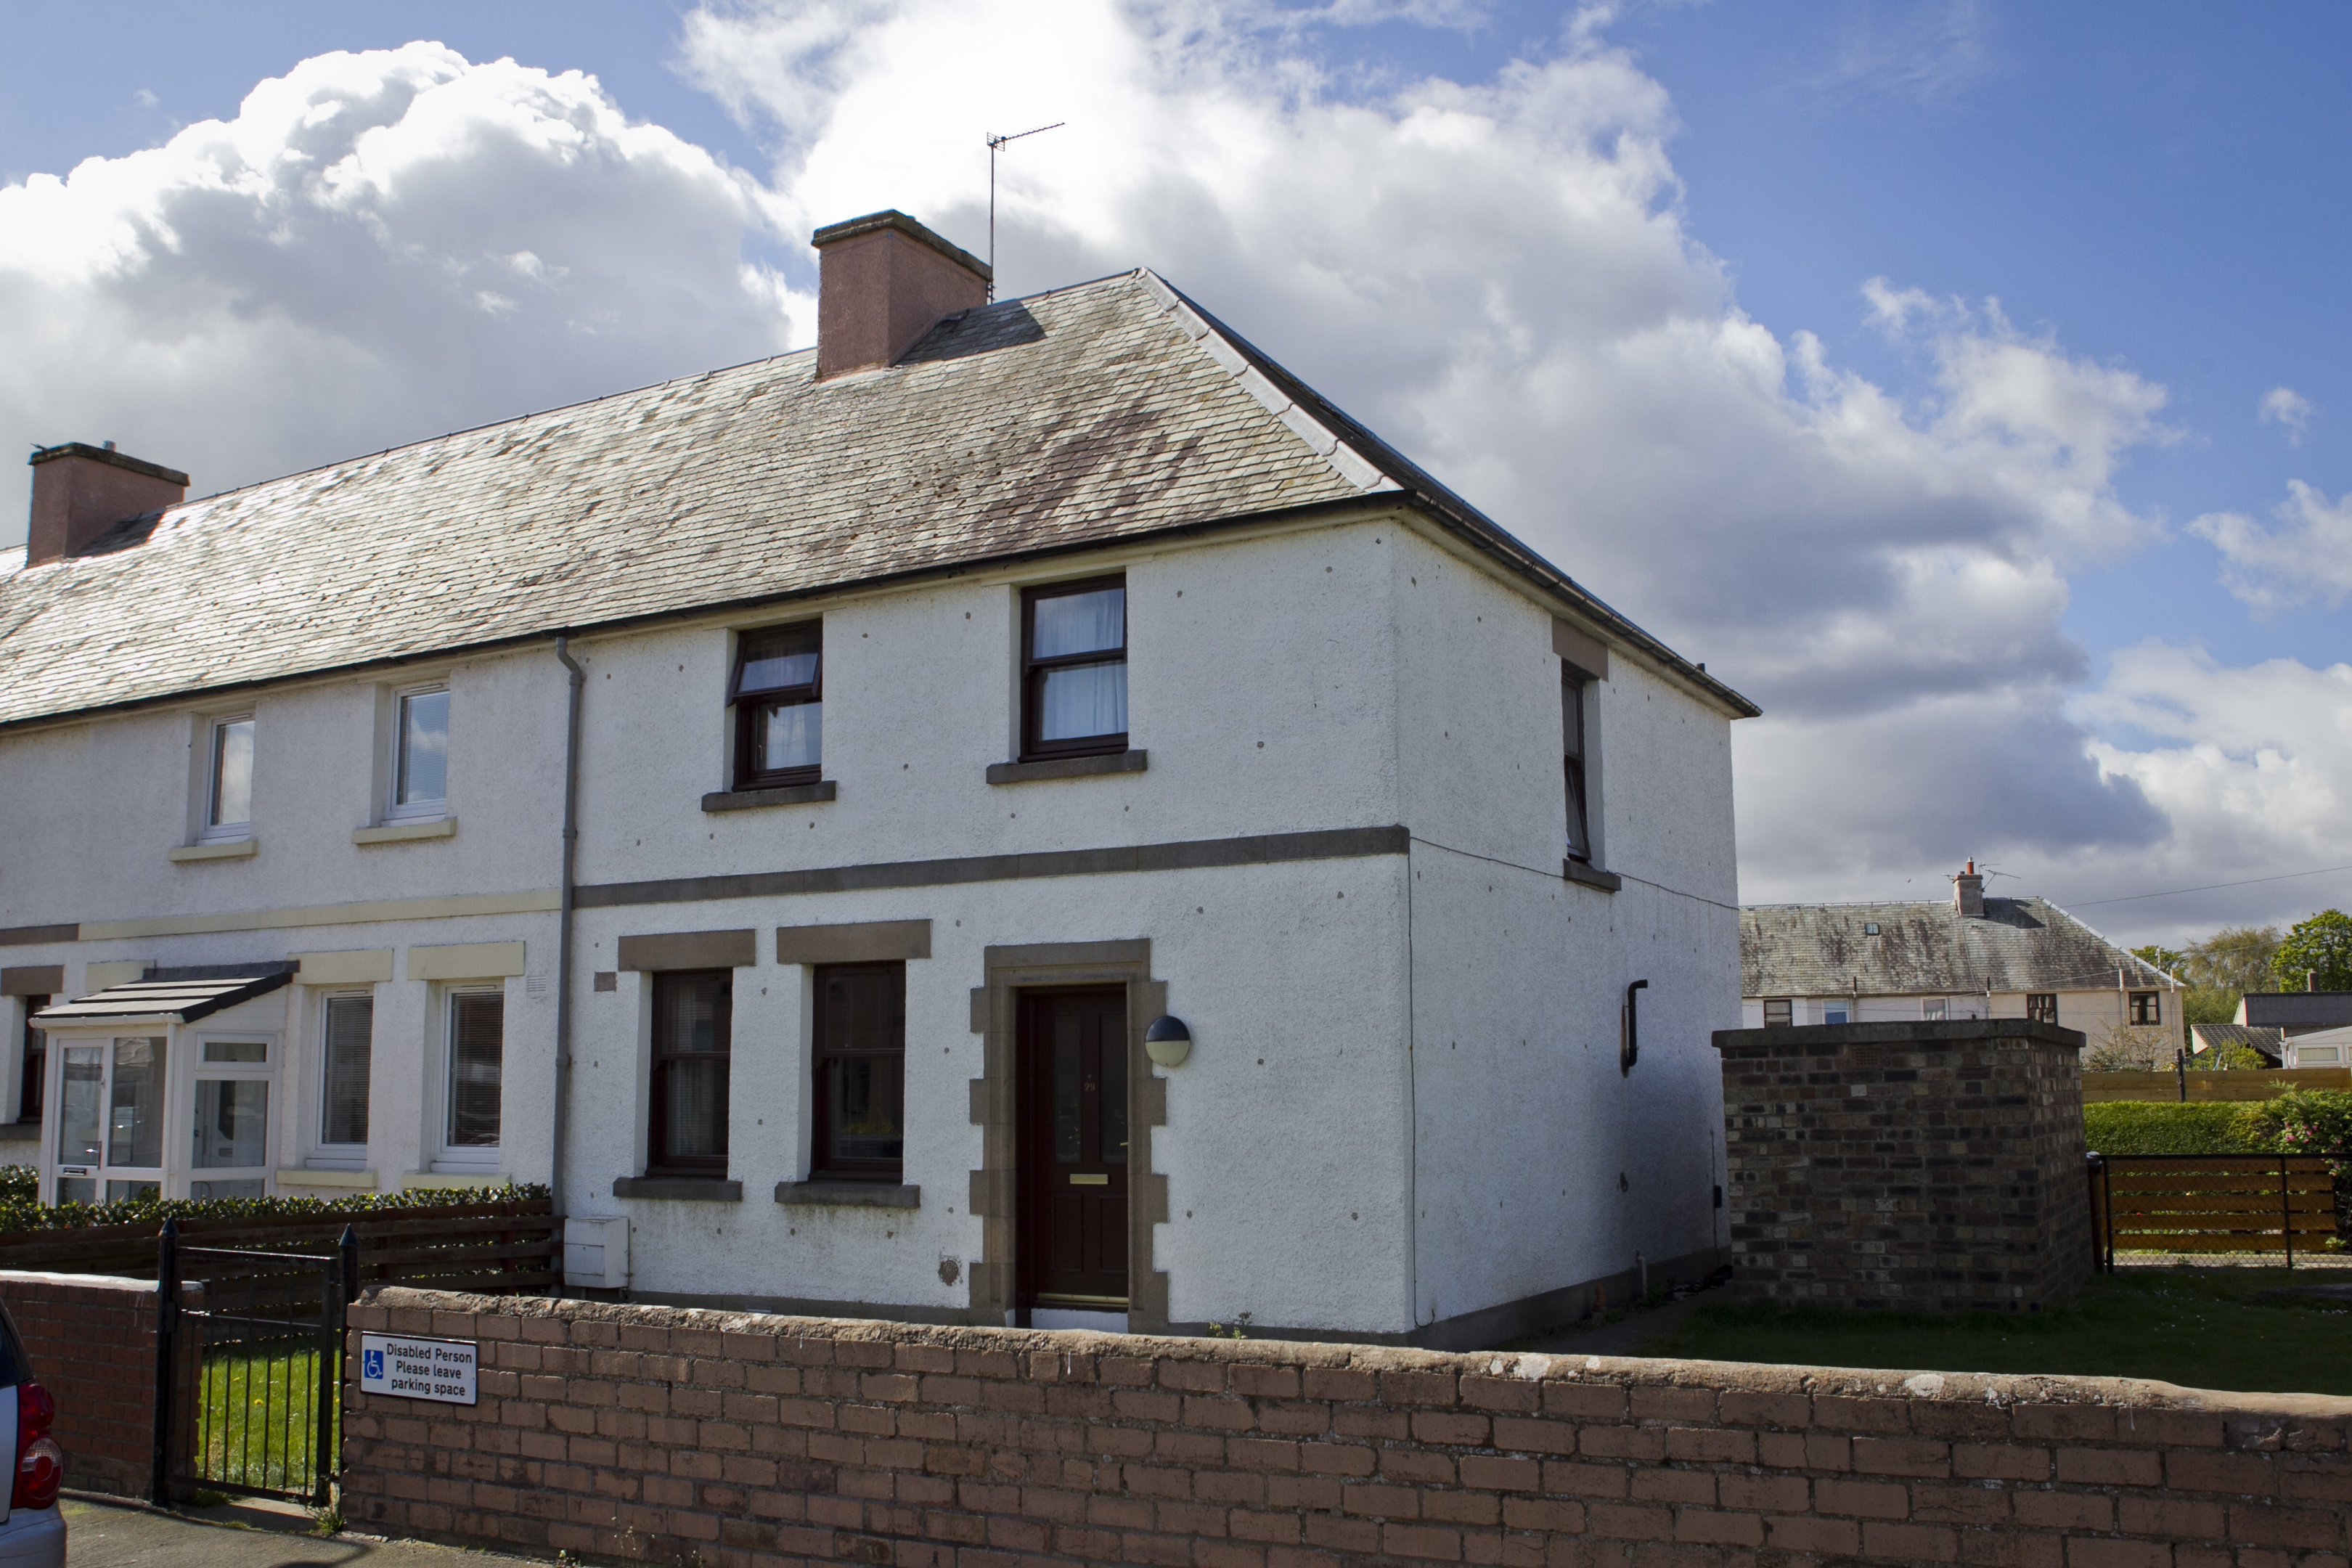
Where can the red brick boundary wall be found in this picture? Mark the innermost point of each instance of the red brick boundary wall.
(665, 1435)
(92, 1340)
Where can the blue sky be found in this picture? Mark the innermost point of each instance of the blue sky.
(2152, 196)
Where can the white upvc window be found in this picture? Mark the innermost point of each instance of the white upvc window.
(1935, 1009)
(346, 1047)
(419, 781)
(473, 1078)
(228, 780)
(230, 1157)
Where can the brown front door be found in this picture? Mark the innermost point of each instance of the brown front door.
(1072, 1137)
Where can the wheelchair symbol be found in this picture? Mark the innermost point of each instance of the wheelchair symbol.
(371, 1363)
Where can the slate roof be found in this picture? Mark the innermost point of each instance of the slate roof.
(2298, 1011)
(1110, 411)
(172, 1001)
(2269, 1041)
(1925, 950)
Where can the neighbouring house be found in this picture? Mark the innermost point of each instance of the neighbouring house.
(2268, 1044)
(2293, 1013)
(1967, 956)
(2317, 1048)
(1021, 813)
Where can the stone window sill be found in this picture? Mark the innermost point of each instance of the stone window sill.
(323, 1176)
(234, 849)
(850, 1194)
(403, 832)
(1128, 762)
(447, 1180)
(1578, 872)
(753, 799)
(695, 1189)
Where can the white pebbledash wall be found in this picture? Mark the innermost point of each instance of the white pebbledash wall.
(1404, 1105)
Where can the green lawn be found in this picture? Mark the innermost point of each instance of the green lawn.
(2201, 1328)
(258, 1412)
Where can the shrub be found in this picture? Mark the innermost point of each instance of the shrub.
(18, 1184)
(2164, 1127)
(22, 1213)
(2314, 1122)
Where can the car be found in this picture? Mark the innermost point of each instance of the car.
(33, 1528)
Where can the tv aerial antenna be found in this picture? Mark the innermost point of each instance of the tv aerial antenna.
(994, 142)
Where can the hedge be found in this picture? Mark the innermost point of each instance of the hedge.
(2301, 1121)
(2164, 1127)
(20, 1211)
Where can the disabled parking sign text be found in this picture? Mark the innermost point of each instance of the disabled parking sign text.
(418, 1369)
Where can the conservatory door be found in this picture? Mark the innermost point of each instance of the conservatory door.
(110, 1119)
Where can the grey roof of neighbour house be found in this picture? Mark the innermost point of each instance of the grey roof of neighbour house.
(1925, 950)
(2299, 1010)
(1107, 412)
(2270, 1042)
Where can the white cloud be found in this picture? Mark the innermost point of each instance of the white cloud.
(2307, 558)
(379, 247)
(2251, 767)
(2289, 409)
(1928, 54)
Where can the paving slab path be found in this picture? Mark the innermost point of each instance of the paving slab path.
(242, 1535)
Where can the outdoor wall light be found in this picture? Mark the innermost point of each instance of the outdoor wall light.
(1167, 1042)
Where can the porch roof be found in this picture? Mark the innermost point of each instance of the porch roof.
(160, 1001)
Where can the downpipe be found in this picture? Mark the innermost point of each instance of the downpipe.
(578, 681)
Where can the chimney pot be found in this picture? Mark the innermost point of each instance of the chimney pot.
(883, 281)
(79, 491)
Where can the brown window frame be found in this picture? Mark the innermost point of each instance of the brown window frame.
(660, 1162)
(2146, 1008)
(2042, 1008)
(826, 1054)
(35, 1059)
(1033, 671)
(1788, 1013)
(747, 701)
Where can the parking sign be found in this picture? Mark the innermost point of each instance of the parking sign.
(411, 1368)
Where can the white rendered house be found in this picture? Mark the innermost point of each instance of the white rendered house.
(939, 711)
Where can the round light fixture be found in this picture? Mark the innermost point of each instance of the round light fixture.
(1167, 1042)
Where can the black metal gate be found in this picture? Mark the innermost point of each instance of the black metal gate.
(249, 1369)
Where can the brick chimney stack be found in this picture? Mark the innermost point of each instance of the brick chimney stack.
(81, 492)
(884, 281)
(1967, 893)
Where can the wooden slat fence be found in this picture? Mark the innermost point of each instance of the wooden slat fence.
(2212, 1203)
(2199, 1087)
(497, 1248)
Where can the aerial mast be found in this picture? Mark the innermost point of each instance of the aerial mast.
(994, 142)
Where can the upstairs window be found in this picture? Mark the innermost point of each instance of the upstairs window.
(1074, 669)
(779, 697)
(420, 781)
(693, 1036)
(2042, 1006)
(1779, 1012)
(1935, 1009)
(861, 1071)
(228, 781)
(1571, 716)
(2145, 1008)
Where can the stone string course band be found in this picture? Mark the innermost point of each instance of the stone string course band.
(675, 1435)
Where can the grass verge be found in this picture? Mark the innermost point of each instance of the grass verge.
(2200, 1328)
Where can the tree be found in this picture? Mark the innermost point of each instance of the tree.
(2171, 960)
(2320, 947)
(2235, 958)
